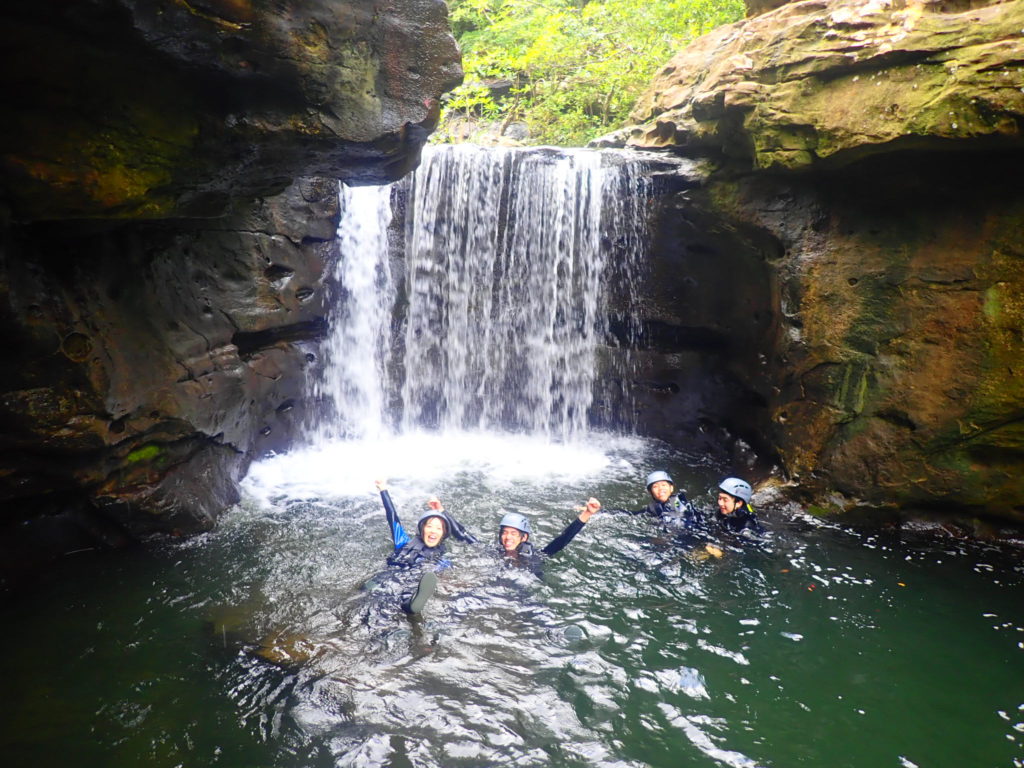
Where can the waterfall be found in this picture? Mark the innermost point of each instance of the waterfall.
(358, 348)
(510, 256)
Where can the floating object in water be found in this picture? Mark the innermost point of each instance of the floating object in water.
(574, 633)
(287, 650)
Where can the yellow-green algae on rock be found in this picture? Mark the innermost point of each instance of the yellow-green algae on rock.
(833, 80)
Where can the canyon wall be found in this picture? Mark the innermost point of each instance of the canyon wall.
(165, 233)
(860, 163)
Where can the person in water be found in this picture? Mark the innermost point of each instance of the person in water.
(667, 504)
(423, 553)
(671, 507)
(514, 533)
(735, 514)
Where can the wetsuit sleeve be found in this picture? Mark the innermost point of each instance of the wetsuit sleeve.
(398, 535)
(459, 530)
(566, 536)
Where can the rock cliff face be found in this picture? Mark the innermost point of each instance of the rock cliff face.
(168, 109)
(863, 158)
(164, 237)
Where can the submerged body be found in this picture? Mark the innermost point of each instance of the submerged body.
(412, 567)
(674, 510)
(733, 521)
(735, 514)
(735, 517)
(740, 521)
(516, 550)
(671, 508)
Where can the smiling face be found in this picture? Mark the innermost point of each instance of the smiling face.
(728, 504)
(433, 531)
(511, 538)
(661, 490)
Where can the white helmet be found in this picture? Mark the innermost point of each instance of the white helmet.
(655, 477)
(735, 487)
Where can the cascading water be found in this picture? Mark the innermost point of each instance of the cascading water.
(507, 254)
(357, 351)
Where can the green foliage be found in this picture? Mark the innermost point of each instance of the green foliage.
(576, 67)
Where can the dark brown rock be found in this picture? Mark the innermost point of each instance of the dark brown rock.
(150, 363)
(120, 108)
(867, 156)
(168, 207)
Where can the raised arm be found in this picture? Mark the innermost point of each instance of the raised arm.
(398, 535)
(573, 528)
(455, 528)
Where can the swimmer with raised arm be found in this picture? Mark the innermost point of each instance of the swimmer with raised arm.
(514, 532)
(424, 552)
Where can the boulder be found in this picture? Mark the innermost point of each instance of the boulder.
(827, 82)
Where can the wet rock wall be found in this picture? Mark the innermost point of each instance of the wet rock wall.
(148, 364)
(860, 163)
(165, 230)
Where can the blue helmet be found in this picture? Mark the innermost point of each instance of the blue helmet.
(655, 477)
(735, 487)
(515, 520)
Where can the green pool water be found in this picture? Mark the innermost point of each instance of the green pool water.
(255, 645)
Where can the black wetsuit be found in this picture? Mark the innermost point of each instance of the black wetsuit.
(527, 556)
(741, 521)
(675, 511)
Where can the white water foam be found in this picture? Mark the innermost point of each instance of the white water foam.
(419, 461)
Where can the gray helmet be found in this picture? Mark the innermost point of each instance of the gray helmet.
(659, 475)
(515, 520)
(735, 487)
(433, 513)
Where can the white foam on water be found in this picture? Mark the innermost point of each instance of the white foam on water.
(419, 461)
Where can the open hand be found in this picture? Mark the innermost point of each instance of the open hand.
(382, 485)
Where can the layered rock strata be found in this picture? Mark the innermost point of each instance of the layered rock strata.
(164, 238)
(863, 163)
